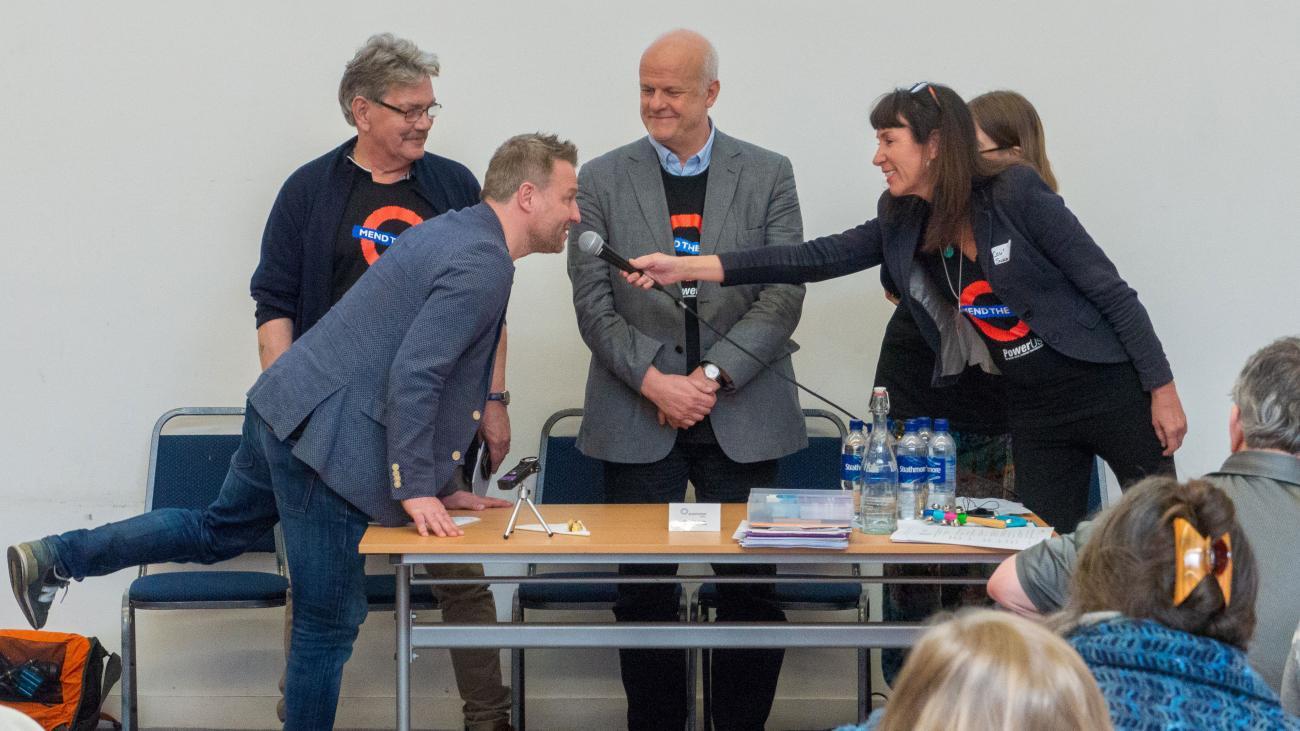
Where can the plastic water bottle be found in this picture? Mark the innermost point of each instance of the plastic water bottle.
(943, 465)
(924, 431)
(913, 473)
(855, 445)
(879, 472)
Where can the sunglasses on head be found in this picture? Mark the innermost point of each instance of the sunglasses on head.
(925, 86)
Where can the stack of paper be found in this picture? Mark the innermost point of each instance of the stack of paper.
(793, 534)
(1014, 539)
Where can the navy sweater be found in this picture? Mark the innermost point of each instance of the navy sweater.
(293, 276)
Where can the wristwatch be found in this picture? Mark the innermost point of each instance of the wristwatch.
(715, 374)
(502, 396)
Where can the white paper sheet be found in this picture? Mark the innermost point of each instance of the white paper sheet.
(1015, 539)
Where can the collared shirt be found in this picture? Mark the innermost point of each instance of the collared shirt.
(1265, 489)
(694, 165)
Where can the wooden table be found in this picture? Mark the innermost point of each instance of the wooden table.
(635, 534)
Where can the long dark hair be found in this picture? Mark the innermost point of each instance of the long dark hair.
(927, 109)
(1129, 564)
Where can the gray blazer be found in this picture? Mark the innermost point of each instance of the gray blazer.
(395, 375)
(750, 202)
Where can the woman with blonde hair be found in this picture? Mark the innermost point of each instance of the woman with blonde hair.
(986, 671)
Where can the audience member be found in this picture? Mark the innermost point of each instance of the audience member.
(1262, 476)
(988, 671)
(1162, 607)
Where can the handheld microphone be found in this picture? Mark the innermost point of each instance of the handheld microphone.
(592, 243)
(512, 479)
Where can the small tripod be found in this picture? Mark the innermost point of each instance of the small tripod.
(518, 478)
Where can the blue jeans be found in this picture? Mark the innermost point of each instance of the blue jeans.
(265, 484)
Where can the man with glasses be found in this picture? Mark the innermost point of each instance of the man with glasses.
(666, 400)
(334, 217)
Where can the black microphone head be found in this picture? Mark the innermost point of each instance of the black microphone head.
(591, 242)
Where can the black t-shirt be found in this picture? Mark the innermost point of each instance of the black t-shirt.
(974, 404)
(376, 214)
(685, 196)
(1043, 385)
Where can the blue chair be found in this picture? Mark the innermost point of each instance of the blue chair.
(186, 470)
(815, 467)
(1099, 495)
(565, 475)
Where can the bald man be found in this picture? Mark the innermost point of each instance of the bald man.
(667, 401)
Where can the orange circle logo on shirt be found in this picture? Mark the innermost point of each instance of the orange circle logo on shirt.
(981, 319)
(369, 247)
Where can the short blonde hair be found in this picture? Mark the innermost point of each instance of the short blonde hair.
(985, 670)
(525, 158)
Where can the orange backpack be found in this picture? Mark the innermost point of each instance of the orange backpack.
(57, 678)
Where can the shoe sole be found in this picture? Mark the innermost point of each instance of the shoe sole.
(18, 569)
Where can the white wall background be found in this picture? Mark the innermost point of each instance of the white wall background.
(143, 143)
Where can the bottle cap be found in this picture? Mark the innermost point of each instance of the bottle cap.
(922, 422)
(941, 425)
(855, 425)
(910, 425)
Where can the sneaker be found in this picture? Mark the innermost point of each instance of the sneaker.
(34, 580)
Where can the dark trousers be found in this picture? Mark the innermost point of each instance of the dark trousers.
(1054, 463)
(744, 681)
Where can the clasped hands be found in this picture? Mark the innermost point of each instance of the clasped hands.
(683, 401)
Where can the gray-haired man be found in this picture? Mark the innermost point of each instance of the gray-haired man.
(1262, 476)
(333, 219)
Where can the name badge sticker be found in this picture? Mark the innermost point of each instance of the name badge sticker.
(1002, 253)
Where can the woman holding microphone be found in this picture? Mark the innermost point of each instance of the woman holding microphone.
(996, 272)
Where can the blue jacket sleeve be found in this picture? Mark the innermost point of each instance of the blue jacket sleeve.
(821, 258)
(463, 306)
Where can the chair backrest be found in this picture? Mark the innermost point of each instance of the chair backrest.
(1100, 496)
(566, 475)
(816, 466)
(189, 458)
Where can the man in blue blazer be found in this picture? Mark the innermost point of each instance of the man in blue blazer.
(364, 418)
(332, 219)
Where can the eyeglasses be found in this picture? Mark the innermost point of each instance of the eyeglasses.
(1003, 148)
(925, 86)
(412, 115)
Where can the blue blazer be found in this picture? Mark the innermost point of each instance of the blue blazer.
(1048, 270)
(394, 377)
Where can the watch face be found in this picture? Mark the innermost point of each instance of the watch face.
(712, 371)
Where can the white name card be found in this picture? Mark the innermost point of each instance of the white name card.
(700, 517)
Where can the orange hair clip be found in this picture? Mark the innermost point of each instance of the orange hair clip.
(1198, 556)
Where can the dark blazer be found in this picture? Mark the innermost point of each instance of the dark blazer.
(1054, 276)
(750, 203)
(395, 376)
(293, 277)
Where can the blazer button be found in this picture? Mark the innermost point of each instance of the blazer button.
(1029, 312)
(456, 454)
(476, 415)
(679, 349)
